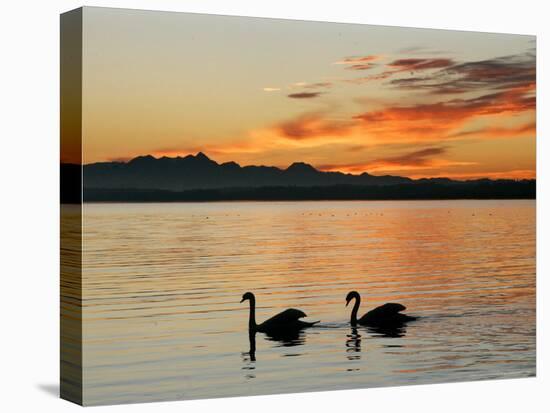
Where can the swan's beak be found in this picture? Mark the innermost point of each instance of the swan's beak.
(241, 300)
(347, 302)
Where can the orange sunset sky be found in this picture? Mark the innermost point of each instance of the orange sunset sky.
(342, 97)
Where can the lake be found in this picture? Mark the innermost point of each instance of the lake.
(162, 284)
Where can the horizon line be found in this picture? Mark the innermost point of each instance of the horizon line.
(188, 155)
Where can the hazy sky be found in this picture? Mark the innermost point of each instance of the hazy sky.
(345, 97)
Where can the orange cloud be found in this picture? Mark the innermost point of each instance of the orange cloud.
(433, 121)
(437, 122)
(352, 60)
(362, 66)
(528, 129)
(382, 167)
(423, 159)
(312, 125)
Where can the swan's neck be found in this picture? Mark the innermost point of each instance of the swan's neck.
(355, 310)
(252, 317)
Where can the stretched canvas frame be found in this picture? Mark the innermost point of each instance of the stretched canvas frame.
(205, 158)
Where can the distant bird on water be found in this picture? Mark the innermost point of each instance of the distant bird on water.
(388, 314)
(284, 322)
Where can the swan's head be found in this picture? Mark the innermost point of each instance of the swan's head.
(351, 295)
(247, 296)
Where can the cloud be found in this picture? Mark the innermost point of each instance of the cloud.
(370, 78)
(420, 157)
(312, 125)
(305, 95)
(271, 89)
(359, 62)
(397, 67)
(313, 85)
(498, 73)
(352, 60)
(529, 128)
(427, 84)
(502, 72)
(414, 64)
(456, 109)
(423, 159)
(317, 85)
(392, 68)
(432, 121)
(443, 120)
(363, 66)
(445, 76)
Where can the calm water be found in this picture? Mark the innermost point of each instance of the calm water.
(162, 285)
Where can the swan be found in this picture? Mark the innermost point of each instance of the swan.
(284, 322)
(388, 314)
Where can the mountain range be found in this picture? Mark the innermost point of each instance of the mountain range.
(199, 178)
(200, 172)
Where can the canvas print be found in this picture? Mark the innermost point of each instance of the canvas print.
(260, 206)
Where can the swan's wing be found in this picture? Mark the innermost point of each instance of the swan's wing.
(386, 310)
(285, 317)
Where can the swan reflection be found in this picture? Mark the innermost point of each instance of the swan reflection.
(392, 331)
(249, 357)
(287, 338)
(353, 345)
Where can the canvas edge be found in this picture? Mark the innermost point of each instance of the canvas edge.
(70, 289)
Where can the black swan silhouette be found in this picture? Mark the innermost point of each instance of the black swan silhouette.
(386, 315)
(285, 323)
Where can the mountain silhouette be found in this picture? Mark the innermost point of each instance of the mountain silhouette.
(199, 178)
(200, 172)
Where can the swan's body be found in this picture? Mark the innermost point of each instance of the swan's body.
(388, 314)
(288, 320)
(284, 322)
